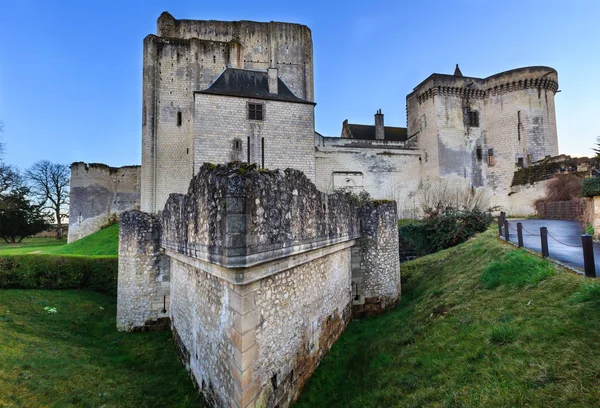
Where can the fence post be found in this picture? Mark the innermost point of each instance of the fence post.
(500, 225)
(506, 232)
(544, 238)
(588, 256)
(520, 234)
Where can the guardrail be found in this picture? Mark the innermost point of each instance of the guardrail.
(587, 244)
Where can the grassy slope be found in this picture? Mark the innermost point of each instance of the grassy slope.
(103, 242)
(471, 332)
(76, 357)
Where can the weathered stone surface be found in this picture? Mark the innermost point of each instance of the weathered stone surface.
(99, 192)
(253, 317)
(143, 282)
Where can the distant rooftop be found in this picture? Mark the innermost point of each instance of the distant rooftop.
(250, 84)
(367, 132)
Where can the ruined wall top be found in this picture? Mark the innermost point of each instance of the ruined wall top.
(214, 30)
(236, 215)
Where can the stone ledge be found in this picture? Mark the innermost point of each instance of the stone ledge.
(250, 260)
(244, 276)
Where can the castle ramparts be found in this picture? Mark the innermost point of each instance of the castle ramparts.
(258, 273)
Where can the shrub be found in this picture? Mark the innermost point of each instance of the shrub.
(516, 268)
(590, 187)
(33, 271)
(445, 228)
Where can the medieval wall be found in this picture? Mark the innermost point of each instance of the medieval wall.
(99, 192)
(222, 133)
(376, 286)
(143, 283)
(386, 170)
(260, 277)
(522, 197)
(187, 56)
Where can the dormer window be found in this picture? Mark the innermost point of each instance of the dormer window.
(255, 111)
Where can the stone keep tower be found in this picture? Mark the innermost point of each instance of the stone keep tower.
(479, 131)
(187, 56)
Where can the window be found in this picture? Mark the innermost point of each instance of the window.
(255, 111)
(178, 118)
(237, 144)
(520, 162)
(473, 118)
(491, 157)
(479, 153)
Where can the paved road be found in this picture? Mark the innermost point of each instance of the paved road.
(567, 232)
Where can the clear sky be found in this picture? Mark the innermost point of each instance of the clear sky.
(71, 71)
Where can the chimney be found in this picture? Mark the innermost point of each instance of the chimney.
(273, 78)
(379, 129)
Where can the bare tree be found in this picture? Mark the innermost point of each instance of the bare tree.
(9, 175)
(49, 184)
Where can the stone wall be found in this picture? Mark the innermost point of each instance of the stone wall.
(375, 260)
(223, 120)
(387, 170)
(143, 282)
(260, 277)
(522, 197)
(99, 193)
(187, 56)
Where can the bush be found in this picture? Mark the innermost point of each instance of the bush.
(590, 187)
(59, 272)
(443, 229)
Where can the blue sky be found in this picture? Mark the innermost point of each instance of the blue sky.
(71, 71)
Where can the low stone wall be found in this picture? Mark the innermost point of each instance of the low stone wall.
(259, 277)
(522, 198)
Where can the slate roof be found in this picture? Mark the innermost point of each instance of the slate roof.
(367, 132)
(250, 84)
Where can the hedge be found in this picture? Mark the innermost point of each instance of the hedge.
(31, 271)
(590, 187)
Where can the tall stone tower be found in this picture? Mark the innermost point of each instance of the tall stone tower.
(187, 56)
(478, 131)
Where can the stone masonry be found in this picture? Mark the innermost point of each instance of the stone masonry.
(187, 56)
(260, 277)
(99, 193)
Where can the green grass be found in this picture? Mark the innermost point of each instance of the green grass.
(103, 242)
(29, 245)
(76, 357)
(480, 324)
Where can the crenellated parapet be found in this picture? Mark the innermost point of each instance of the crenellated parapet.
(540, 78)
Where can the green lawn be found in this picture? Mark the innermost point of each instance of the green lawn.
(103, 242)
(29, 245)
(479, 325)
(76, 357)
